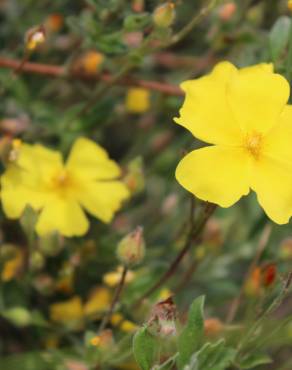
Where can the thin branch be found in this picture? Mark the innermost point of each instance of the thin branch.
(260, 249)
(193, 237)
(115, 300)
(189, 26)
(61, 72)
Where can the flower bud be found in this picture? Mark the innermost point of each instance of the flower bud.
(253, 284)
(213, 327)
(269, 274)
(34, 37)
(164, 15)
(286, 249)
(138, 6)
(11, 260)
(226, 11)
(36, 261)
(135, 177)
(51, 244)
(131, 249)
(92, 62)
(19, 316)
(54, 22)
(162, 318)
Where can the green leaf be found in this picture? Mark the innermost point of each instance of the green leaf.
(191, 336)
(144, 348)
(279, 36)
(255, 360)
(215, 356)
(136, 22)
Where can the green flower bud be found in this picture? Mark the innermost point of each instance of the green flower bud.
(164, 15)
(19, 316)
(131, 249)
(36, 261)
(134, 179)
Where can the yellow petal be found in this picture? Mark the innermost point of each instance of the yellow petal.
(272, 181)
(69, 310)
(103, 199)
(18, 190)
(13, 196)
(215, 174)
(39, 160)
(278, 140)
(62, 215)
(98, 302)
(206, 112)
(91, 161)
(257, 97)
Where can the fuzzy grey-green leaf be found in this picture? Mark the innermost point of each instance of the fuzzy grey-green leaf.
(191, 336)
(144, 348)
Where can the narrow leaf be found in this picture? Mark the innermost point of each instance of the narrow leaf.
(192, 334)
(255, 360)
(144, 348)
(279, 36)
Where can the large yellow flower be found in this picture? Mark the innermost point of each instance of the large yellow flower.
(39, 178)
(243, 113)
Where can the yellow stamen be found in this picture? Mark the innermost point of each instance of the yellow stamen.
(95, 341)
(253, 143)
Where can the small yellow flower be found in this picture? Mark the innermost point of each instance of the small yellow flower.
(113, 278)
(95, 341)
(61, 191)
(98, 302)
(67, 311)
(164, 294)
(137, 100)
(92, 62)
(289, 4)
(126, 326)
(12, 267)
(243, 114)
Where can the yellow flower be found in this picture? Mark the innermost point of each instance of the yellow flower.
(92, 62)
(126, 326)
(113, 278)
(243, 113)
(70, 310)
(137, 100)
(14, 264)
(88, 180)
(98, 302)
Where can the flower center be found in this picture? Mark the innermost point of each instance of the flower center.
(253, 143)
(61, 180)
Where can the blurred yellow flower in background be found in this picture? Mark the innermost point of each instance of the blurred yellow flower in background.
(243, 113)
(92, 61)
(67, 311)
(113, 278)
(123, 324)
(137, 100)
(14, 262)
(98, 302)
(88, 180)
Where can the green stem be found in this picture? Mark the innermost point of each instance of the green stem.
(189, 26)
